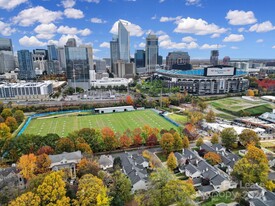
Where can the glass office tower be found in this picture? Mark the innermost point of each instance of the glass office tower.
(6, 44)
(124, 43)
(25, 65)
(151, 54)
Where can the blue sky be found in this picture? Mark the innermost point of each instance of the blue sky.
(240, 28)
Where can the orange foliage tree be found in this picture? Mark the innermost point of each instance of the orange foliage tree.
(167, 142)
(129, 100)
(213, 158)
(125, 141)
(152, 140)
(43, 163)
(109, 138)
(11, 123)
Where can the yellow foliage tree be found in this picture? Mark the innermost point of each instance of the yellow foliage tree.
(26, 199)
(172, 162)
(185, 142)
(27, 165)
(250, 93)
(52, 191)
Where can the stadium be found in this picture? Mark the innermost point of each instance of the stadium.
(210, 80)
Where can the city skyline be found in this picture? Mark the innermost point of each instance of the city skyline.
(239, 30)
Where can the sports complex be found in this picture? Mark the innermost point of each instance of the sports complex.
(65, 123)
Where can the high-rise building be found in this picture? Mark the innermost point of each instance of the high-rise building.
(25, 65)
(71, 42)
(90, 55)
(214, 59)
(226, 60)
(160, 60)
(140, 58)
(62, 58)
(124, 42)
(114, 51)
(178, 60)
(6, 44)
(151, 52)
(40, 57)
(125, 70)
(7, 62)
(77, 70)
(53, 53)
(100, 66)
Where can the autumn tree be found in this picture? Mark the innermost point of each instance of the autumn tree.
(253, 167)
(11, 123)
(91, 191)
(43, 163)
(167, 142)
(137, 139)
(185, 142)
(87, 166)
(215, 138)
(6, 113)
(84, 148)
(19, 116)
(120, 189)
(152, 140)
(26, 199)
(27, 165)
(125, 141)
(250, 93)
(177, 141)
(202, 105)
(129, 100)
(165, 101)
(172, 162)
(45, 150)
(64, 145)
(109, 139)
(52, 191)
(210, 116)
(248, 136)
(228, 137)
(199, 142)
(213, 158)
(5, 137)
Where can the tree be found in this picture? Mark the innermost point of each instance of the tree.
(19, 116)
(92, 137)
(64, 145)
(5, 137)
(43, 163)
(165, 101)
(125, 141)
(229, 137)
(172, 162)
(210, 116)
(11, 123)
(137, 140)
(167, 142)
(26, 199)
(129, 100)
(199, 142)
(87, 166)
(215, 138)
(6, 113)
(152, 140)
(250, 93)
(178, 143)
(185, 142)
(213, 158)
(91, 191)
(1, 119)
(45, 150)
(253, 167)
(52, 191)
(84, 148)
(202, 105)
(120, 189)
(248, 136)
(109, 139)
(27, 165)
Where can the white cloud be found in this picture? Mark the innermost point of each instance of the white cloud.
(11, 4)
(259, 41)
(166, 43)
(105, 45)
(45, 31)
(142, 45)
(68, 3)
(154, 17)
(161, 1)
(30, 16)
(5, 29)
(193, 2)
(215, 36)
(167, 19)
(234, 47)
(234, 38)
(262, 27)
(241, 29)
(73, 13)
(98, 21)
(135, 30)
(64, 38)
(213, 46)
(237, 17)
(93, 1)
(188, 39)
(273, 47)
(73, 31)
(198, 27)
(31, 42)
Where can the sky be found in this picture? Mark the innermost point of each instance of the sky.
(238, 28)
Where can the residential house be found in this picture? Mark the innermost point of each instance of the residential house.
(106, 161)
(11, 177)
(66, 161)
(259, 196)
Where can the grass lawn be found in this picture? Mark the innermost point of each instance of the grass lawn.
(162, 156)
(119, 122)
(223, 197)
(181, 119)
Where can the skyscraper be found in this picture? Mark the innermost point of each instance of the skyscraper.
(140, 58)
(62, 58)
(71, 42)
(178, 60)
(124, 42)
(114, 51)
(6, 44)
(25, 65)
(214, 59)
(52, 51)
(151, 52)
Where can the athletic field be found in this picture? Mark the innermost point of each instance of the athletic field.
(119, 122)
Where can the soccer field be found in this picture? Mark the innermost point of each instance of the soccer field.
(119, 122)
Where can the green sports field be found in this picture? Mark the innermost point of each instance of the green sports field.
(119, 122)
